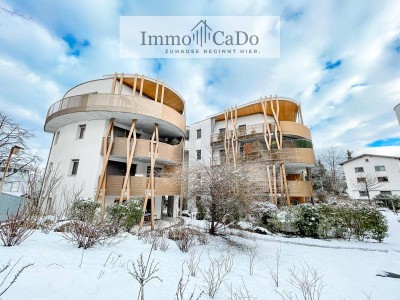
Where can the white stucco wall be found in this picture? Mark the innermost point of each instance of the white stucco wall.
(392, 171)
(246, 120)
(87, 150)
(202, 144)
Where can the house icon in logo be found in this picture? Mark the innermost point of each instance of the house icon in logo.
(201, 33)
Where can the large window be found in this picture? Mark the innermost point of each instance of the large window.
(198, 132)
(359, 169)
(380, 168)
(74, 166)
(81, 131)
(363, 194)
(383, 179)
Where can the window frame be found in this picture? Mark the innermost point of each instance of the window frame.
(378, 168)
(81, 131)
(74, 170)
(357, 169)
(198, 134)
(198, 157)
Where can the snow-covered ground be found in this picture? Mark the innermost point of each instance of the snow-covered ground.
(61, 272)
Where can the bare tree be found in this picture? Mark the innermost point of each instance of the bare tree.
(181, 288)
(218, 269)
(333, 180)
(366, 183)
(13, 134)
(252, 252)
(143, 272)
(7, 270)
(240, 293)
(308, 281)
(275, 271)
(224, 192)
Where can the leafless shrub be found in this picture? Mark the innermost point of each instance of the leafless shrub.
(240, 293)
(367, 296)
(193, 263)
(183, 237)
(181, 288)
(164, 243)
(214, 275)
(86, 234)
(143, 272)
(252, 253)
(202, 238)
(19, 225)
(286, 295)
(308, 281)
(5, 272)
(275, 271)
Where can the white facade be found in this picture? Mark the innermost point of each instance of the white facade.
(386, 168)
(202, 144)
(397, 111)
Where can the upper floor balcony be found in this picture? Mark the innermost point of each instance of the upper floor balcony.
(257, 131)
(122, 108)
(167, 153)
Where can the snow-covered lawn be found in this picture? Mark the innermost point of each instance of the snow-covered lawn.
(61, 272)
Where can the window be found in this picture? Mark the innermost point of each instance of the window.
(198, 132)
(157, 171)
(56, 138)
(81, 131)
(386, 193)
(187, 134)
(383, 179)
(359, 169)
(74, 166)
(51, 166)
(366, 160)
(198, 152)
(242, 129)
(380, 168)
(14, 187)
(363, 194)
(361, 179)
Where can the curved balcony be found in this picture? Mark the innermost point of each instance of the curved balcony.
(300, 188)
(105, 106)
(167, 154)
(163, 186)
(257, 131)
(301, 156)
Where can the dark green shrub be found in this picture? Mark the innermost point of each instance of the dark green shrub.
(126, 215)
(83, 210)
(307, 220)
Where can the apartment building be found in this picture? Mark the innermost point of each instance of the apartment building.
(370, 175)
(117, 138)
(270, 131)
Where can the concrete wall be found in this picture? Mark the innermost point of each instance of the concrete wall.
(87, 150)
(392, 171)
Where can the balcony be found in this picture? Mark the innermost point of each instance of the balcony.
(106, 106)
(163, 186)
(257, 131)
(287, 155)
(300, 188)
(167, 154)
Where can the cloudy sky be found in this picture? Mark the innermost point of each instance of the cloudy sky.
(340, 59)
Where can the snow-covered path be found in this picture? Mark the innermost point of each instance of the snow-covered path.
(60, 271)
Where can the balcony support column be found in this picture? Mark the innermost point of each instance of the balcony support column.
(274, 180)
(226, 138)
(121, 83)
(285, 184)
(134, 85)
(235, 144)
(129, 156)
(154, 144)
(267, 129)
(114, 83)
(162, 92)
(107, 147)
(278, 131)
(141, 85)
(156, 96)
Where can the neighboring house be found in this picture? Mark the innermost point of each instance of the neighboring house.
(118, 138)
(16, 180)
(397, 111)
(292, 157)
(382, 173)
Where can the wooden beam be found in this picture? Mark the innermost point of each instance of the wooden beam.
(106, 155)
(134, 84)
(121, 83)
(141, 86)
(266, 131)
(286, 185)
(129, 157)
(274, 179)
(156, 96)
(269, 182)
(114, 83)
(300, 115)
(162, 93)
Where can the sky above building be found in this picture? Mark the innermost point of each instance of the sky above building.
(339, 59)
